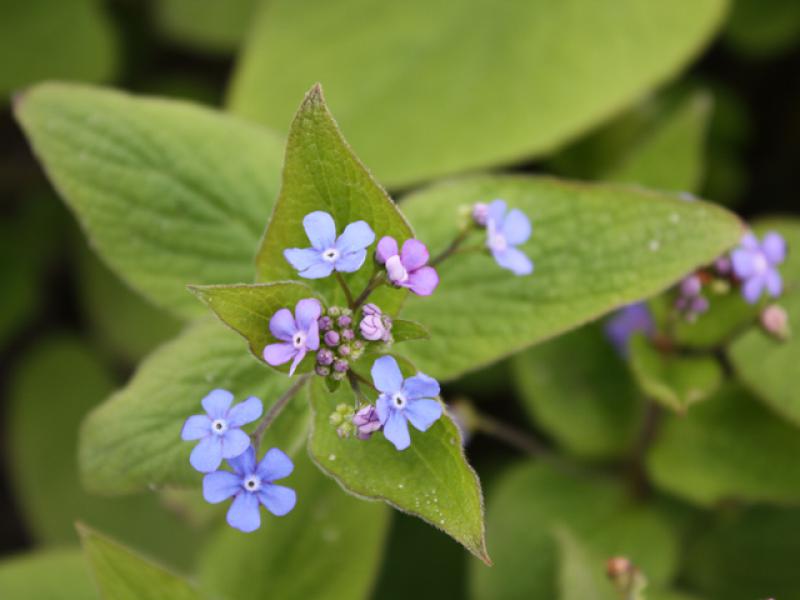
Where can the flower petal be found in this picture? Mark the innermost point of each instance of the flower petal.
(220, 485)
(382, 406)
(303, 258)
(396, 430)
(752, 288)
(514, 260)
(282, 325)
(774, 282)
(196, 427)
(356, 236)
(301, 354)
(517, 227)
(423, 413)
(497, 211)
(749, 241)
(414, 255)
(320, 229)
(216, 403)
(234, 443)
(245, 412)
(423, 281)
(207, 455)
(244, 513)
(245, 463)
(387, 247)
(421, 386)
(275, 465)
(386, 375)
(774, 247)
(312, 336)
(306, 312)
(278, 354)
(278, 499)
(351, 262)
(318, 270)
(743, 263)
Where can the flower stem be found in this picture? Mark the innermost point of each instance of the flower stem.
(358, 377)
(276, 409)
(376, 280)
(359, 394)
(452, 248)
(512, 436)
(345, 288)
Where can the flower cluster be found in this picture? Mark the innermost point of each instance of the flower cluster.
(249, 484)
(690, 302)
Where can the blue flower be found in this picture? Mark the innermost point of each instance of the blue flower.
(402, 401)
(345, 254)
(755, 265)
(219, 430)
(251, 484)
(297, 334)
(628, 320)
(504, 232)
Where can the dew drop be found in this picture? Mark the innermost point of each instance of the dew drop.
(674, 218)
(654, 245)
(331, 457)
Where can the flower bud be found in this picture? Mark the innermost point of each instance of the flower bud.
(372, 328)
(344, 321)
(366, 422)
(334, 311)
(775, 321)
(480, 213)
(322, 371)
(324, 357)
(691, 286)
(331, 338)
(345, 430)
(335, 419)
(338, 375)
(371, 309)
(344, 350)
(341, 366)
(325, 323)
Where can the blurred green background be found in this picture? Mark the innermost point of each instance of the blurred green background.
(723, 122)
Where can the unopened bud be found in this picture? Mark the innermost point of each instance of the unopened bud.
(775, 321)
(344, 321)
(331, 338)
(480, 213)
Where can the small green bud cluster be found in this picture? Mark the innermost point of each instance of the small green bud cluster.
(342, 420)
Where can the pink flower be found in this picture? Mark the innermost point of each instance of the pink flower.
(409, 267)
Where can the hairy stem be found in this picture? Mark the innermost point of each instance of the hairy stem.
(511, 435)
(345, 288)
(452, 248)
(276, 409)
(359, 393)
(376, 280)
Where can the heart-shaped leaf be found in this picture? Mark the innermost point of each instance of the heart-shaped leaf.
(431, 479)
(425, 90)
(594, 247)
(132, 441)
(321, 173)
(168, 193)
(47, 575)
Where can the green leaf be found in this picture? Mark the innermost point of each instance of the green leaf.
(747, 555)
(763, 29)
(580, 575)
(328, 548)
(49, 39)
(595, 248)
(132, 441)
(580, 391)
(53, 388)
(247, 309)
(728, 447)
(47, 575)
(321, 172)
(763, 363)
(121, 574)
(168, 193)
(426, 90)
(530, 501)
(404, 331)
(674, 381)
(215, 26)
(671, 156)
(121, 319)
(431, 479)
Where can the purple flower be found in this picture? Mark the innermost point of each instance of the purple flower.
(375, 325)
(755, 264)
(298, 334)
(219, 430)
(345, 254)
(480, 213)
(627, 321)
(367, 422)
(404, 400)
(251, 485)
(503, 233)
(408, 268)
(690, 301)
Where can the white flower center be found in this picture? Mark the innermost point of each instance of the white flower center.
(496, 240)
(760, 263)
(299, 340)
(330, 255)
(252, 483)
(399, 400)
(397, 272)
(219, 426)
